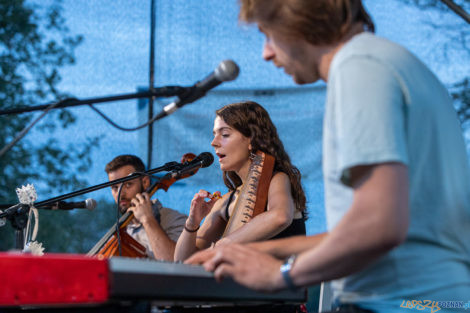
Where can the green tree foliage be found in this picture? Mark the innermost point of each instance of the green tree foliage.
(77, 231)
(34, 44)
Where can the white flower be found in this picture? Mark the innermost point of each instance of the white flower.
(34, 247)
(27, 194)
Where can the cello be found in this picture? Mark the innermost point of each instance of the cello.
(122, 244)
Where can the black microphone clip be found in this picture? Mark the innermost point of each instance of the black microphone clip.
(204, 159)
(17, 209)
(226, 71)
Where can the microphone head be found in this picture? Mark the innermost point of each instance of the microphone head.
(227, 71)
(90, 204)
(206, 159)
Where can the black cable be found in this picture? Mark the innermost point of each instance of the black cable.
(117, 219)
(25, 130)
(106, 118)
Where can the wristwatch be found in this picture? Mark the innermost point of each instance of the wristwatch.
(285, 270)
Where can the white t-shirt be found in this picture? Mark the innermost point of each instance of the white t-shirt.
(384, 105)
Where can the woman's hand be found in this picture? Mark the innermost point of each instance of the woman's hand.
(200, 207)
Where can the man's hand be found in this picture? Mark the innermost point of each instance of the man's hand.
(246, 266)
(202, 256)
(141, 206)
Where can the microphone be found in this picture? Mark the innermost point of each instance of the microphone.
(226, 71)
(203, 160)
(88, 204)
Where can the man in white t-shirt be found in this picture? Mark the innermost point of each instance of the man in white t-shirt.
(395, 168)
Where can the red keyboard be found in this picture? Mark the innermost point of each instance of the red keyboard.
(78, 280)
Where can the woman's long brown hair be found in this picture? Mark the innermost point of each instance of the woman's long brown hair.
(253, 121)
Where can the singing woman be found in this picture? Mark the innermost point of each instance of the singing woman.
(240, 131)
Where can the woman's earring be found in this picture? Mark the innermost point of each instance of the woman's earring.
(252, 155)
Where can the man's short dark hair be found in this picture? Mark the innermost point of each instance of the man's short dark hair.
(123, 160)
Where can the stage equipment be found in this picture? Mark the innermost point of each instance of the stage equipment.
(65, 280)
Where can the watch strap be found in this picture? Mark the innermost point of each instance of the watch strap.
(285, 272)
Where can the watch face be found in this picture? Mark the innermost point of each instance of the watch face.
(288, 264)
(291, 259)
(285, 269)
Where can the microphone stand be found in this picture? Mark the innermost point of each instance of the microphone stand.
(19, 221)
(168, 91)
(18, 213)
